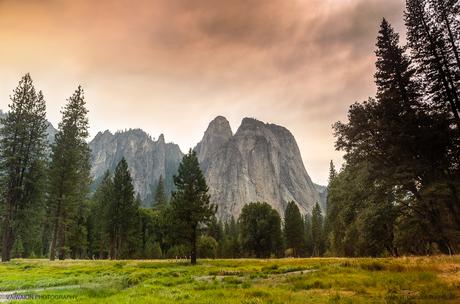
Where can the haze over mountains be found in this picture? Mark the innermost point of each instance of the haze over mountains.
(260, 162)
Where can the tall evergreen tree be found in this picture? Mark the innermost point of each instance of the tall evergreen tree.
(190, 203)
(69, 175)
(294, 233)
(332, 172)
(23, 135)
(331, 210)
(122, 214)
(404, 150)
(148, 244)
(317, 230)
(446, 14)
(231, 247)
(160, 199)
(99, 216)
(307, 235)
(432, 53)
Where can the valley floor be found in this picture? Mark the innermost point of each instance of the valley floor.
(315, 280)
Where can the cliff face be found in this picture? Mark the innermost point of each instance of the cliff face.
(261, 162)
(147, 159)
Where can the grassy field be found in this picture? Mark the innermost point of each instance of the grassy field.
(322, 280)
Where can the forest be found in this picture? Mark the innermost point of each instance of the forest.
(398, 192)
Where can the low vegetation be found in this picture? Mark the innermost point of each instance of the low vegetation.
(315, 280)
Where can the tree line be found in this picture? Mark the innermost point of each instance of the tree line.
(48, 210)
(399, 189)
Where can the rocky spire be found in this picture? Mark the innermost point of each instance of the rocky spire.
(217, 134)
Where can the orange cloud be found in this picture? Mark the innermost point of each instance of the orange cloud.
(172, 65)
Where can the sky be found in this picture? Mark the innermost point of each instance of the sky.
(171, 66)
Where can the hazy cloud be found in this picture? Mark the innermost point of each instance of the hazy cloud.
(172, 65)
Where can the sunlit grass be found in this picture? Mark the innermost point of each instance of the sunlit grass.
(316, 280)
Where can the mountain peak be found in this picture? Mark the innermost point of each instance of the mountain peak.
(221, 126)
(251, 123)
(161, 138)
(217, 134)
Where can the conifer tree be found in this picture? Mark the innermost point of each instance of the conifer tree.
(22, 143)
(332, 173)
(160, 199)
(331, 210)
(294, 233)
(231, 247)
(148, 218)
(434, 57)
(69, 175)
(190, 203)
(122, 214)
(446, 14)
(307, 235)
(102, 203)
(317, 230)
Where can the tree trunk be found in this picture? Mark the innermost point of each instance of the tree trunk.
(193, 248)
(112, 248)
(55, 232)
(61, 238)
(101, 247)
(6, 238)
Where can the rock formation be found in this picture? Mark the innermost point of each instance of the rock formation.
(147, 159)
(260, 162)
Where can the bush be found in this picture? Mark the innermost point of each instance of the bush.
(207, 247)
(178, 251)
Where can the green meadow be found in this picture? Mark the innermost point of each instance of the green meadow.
(313, 280)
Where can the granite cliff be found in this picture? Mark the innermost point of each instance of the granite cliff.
(260, 162)
(147, 159)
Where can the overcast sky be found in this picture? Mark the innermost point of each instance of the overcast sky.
(171, 66)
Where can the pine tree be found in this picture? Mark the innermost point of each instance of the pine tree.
(30, 219)
(148, 218)
(308, 236)
(446, 14)
(78, 232)
(332, 172)
(231, 247)
(160, 199)
(122, 214)
(394, 76)
(294, 229)
(431, 52)
(317, 230)
(100, 214)
(331, 210)
(190, 203)
(69, 175)
(23, 135)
